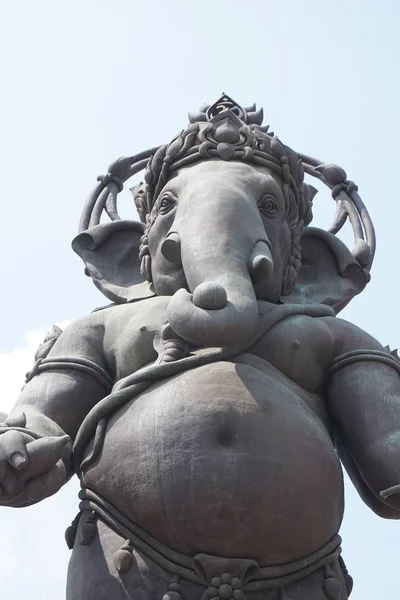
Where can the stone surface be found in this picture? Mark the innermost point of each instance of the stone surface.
(206, 408)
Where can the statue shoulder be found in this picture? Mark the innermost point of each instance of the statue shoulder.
(349, 337)
(115, 319)
(142, 313)
(95, 325)
(115, 335)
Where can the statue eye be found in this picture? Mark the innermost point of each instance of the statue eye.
(167, 202)
(268, 206)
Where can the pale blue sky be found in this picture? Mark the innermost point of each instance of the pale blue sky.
(85, 82)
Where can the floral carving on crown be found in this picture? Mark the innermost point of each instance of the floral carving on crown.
(226, 131)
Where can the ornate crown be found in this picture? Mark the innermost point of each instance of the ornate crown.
(226, 131)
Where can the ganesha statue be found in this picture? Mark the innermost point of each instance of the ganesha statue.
(208, 409)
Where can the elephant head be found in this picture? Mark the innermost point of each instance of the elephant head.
(225, 228)
(221, 239)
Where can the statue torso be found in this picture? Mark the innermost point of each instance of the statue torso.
(232, 458)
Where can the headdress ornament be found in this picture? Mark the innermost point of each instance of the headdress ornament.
(226, 131)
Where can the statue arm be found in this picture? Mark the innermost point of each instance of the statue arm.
(66, 395)
(363, 398)
(36, 439)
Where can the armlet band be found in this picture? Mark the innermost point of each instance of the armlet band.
(348, 358)
(72, 363)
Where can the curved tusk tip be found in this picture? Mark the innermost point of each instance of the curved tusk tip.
(261, 268)
(171, 248)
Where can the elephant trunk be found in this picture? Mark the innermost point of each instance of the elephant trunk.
(205, 326)
(219, 266)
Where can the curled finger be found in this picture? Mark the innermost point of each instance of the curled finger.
(46, 451)
(13, 445)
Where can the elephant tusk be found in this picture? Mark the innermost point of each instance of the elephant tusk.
(261, 265)
(171, 248)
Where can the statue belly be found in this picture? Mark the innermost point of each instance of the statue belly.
(227, 460)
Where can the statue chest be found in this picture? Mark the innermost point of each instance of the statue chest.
(299, 347)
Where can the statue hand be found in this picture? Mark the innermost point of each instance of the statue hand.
(30, 469)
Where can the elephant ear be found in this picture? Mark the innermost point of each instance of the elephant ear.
(329, 273)
(110, 252)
